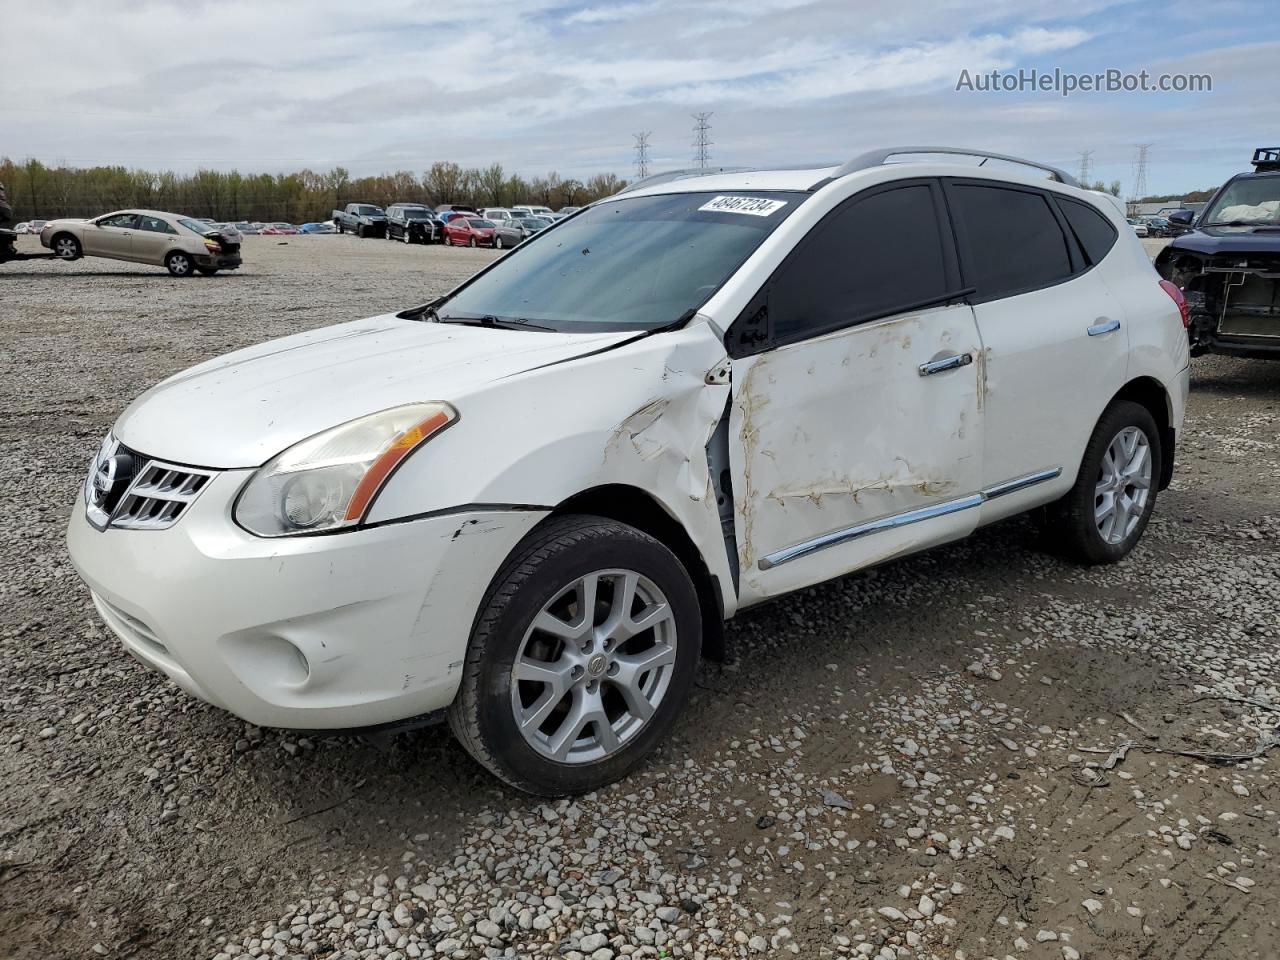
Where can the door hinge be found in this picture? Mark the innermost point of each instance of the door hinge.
(719, 374)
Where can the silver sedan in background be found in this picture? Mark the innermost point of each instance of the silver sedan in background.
(517, 230)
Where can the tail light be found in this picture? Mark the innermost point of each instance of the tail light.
(216, 248)
(1171, 288)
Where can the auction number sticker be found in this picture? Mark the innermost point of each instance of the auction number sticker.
(752, 206)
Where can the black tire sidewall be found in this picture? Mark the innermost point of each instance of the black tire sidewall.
(79, 250)
(169, 260)
(527, 768)
(1121, 415)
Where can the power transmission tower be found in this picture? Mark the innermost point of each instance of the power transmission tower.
(1140, 172)
(701, 139)
(1085, 164)
(642, 154)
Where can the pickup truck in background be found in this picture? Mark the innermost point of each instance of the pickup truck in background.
(362, 219)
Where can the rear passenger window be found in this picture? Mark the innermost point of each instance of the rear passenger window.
(1093, 231)
(871, 258)
(1014, 241)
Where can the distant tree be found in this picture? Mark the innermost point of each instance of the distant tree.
(1114, 189)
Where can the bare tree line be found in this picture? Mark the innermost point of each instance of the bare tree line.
(39, 191)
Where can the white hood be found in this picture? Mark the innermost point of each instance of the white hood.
(242, 409)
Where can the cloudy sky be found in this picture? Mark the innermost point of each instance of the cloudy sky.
(536, 85)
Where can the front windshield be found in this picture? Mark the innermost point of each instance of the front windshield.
(634, 263)
(419, 215)
(535, 223)
(1246, 202)
(368, 211)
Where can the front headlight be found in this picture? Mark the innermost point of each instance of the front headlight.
(329, 481)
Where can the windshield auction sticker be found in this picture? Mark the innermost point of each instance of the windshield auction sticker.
(752, 206)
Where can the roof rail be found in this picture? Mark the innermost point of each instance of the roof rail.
(875, 158)
(681, 174)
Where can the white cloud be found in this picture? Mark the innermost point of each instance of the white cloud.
(536, 85)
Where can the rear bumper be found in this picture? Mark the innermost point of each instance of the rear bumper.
(218, 262)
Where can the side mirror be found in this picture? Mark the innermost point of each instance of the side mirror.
(1181, 217)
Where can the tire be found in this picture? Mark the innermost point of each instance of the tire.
(179, 264)
(341, 227)
(497, 243)
(544, 578)
(207, 271)
(1078, 523)
(66, 247)
(472, 243)
(360, 230)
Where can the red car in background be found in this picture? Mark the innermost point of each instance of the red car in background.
(469, 232)
(279, 229)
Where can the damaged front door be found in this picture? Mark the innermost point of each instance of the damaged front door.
(855, 428)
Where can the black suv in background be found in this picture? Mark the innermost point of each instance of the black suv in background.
(414, 223)
(1228, 264)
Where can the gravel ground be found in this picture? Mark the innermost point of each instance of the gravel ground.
(978, 752)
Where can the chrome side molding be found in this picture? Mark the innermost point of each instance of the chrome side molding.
(906, 518)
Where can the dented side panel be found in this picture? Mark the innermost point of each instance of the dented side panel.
(843, 430)
(640, 415)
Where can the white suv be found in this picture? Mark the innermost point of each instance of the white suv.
(530, 504)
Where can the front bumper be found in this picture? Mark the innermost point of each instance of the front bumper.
(324, 632)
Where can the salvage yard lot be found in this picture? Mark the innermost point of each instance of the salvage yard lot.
(893, 764)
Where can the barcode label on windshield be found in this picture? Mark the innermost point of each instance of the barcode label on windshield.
(752, 206)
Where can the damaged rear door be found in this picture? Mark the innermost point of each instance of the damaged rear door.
(855, 426)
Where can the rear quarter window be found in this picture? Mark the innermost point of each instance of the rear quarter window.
(1093, 231)
(1014, 242)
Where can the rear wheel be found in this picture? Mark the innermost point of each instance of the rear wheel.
(1104, 515)
(66, 247)
(341, 227)
(179, 264)
(207, 271)
(583, 653)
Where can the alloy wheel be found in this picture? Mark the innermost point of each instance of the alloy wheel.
(1123, 486)
(593, 667)
(66, 248)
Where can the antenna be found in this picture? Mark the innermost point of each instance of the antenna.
(1085, 164)
(642, 154)
(1140, 172)
(701, 139)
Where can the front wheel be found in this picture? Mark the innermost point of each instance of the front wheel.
(1103, 516)
(497, 243)
(66, 247)
(583, 653)
(472, 243)
(179, 264)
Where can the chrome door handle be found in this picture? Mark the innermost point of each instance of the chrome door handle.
(1104, 326)
(946, 363)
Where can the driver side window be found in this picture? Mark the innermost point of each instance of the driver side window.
(877, 255)
(125, 220)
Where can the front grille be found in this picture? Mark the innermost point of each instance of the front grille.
(130, 490)
(159, 495)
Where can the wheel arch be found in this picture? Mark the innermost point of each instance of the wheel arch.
(1150, 393)
(637, 508)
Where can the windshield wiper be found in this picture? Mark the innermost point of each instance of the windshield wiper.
(1242, 223)
(489, 320)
